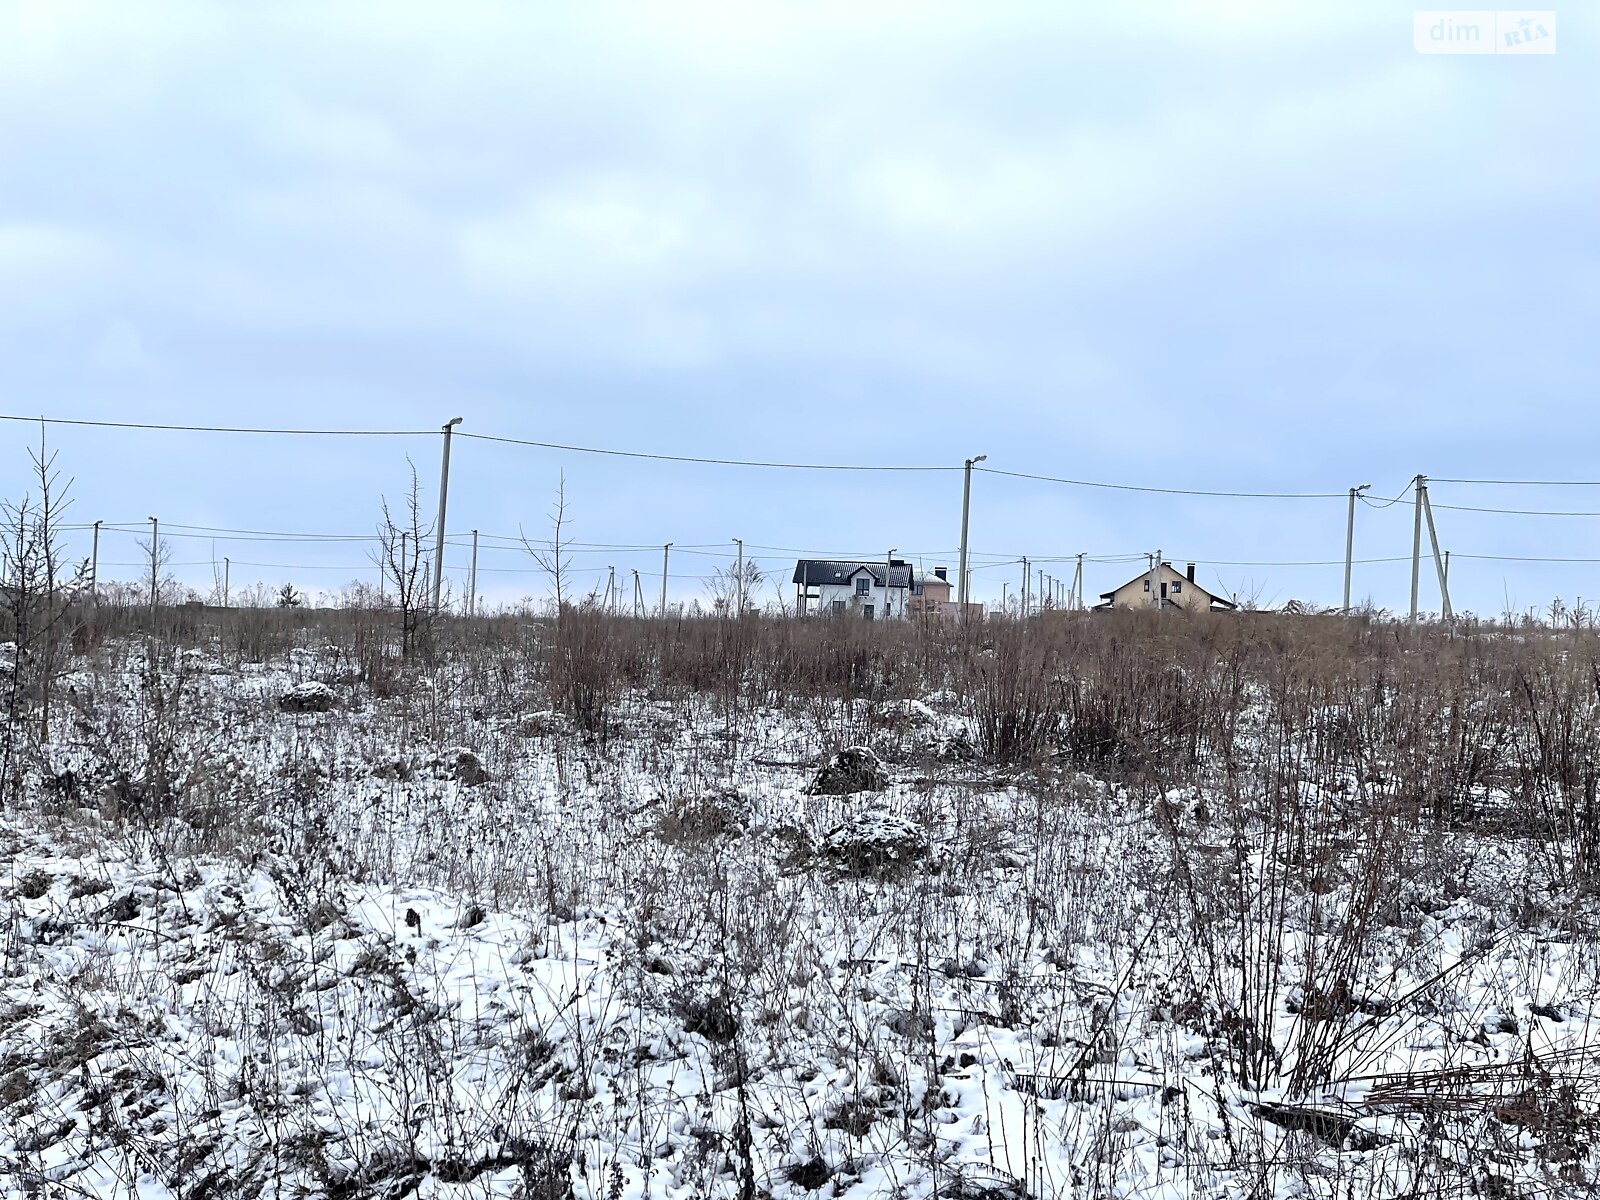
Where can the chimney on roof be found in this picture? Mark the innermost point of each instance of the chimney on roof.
(942, 573)
(897, 562)
(1191, 572)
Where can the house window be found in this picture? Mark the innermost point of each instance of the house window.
(1177, 586)
(1147, 583)
(838, 608)
(863, 584)
(866, 611)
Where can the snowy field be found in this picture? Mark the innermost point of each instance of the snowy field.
(287, 928)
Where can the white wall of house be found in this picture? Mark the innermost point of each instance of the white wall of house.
(829, 594)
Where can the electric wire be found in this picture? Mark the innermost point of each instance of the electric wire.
(573, 448)
(1514, 512)
(693, 458)
(1520, 482)
(165, 428)
(504, 542)
(1390, 503)
(1164, 491)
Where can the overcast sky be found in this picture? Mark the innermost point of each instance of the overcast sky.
(1248, 246)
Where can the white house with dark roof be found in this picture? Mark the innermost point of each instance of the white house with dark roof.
(871, 590)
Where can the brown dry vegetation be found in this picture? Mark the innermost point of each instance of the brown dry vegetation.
(1307, 785)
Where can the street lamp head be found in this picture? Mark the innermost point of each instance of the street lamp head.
(1365, 487)
(452, 422)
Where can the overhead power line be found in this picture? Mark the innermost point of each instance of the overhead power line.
(1327, 562)
(1518, 512)
(1389, 503)
(1214, 562)
(1139, 487)
(223, 428)
(567, 447)
(691, 458)
(1519, 558)
(1521, 482)
(178, 531)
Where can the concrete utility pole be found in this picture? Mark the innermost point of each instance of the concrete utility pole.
(888, 566)
(638, 596)
(227, 570)
(472, 579)
(1350, 542)
(444, 497)
(1005, 599)
(1154, 580)
(611, 590)
(1025, 585)
(94, 564)
(155, 534)
(1416, 546)
(665, 552)
(966, 509)
(1077, 584)
(1438, 562)
(738, 578)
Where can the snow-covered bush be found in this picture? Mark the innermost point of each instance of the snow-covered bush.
(308, 697)
(875, 842)
(853, 769)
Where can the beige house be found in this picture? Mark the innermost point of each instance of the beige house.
(933, 596)
(1165, 588)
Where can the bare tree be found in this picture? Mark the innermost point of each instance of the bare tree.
(404, 565)
(37, 601)
(553, 560)
(167, 589)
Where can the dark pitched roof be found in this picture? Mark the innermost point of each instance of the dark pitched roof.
(810, 572)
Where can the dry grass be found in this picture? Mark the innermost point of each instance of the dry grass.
(1251, 818)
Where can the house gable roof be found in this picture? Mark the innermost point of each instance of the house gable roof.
(1201, 588)
(810, 572)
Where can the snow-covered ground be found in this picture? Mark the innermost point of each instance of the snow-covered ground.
(436, 943)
